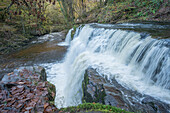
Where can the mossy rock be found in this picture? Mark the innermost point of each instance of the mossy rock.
(97, 93)
(51, 92)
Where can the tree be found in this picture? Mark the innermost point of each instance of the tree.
(67, 9)
(26, 13)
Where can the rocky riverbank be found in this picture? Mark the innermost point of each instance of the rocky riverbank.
(99, 89)
(27, 90)
(11, 40)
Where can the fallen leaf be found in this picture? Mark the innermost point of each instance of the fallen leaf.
(9, 99)
(48, 109)
(10, 103)
(46, 105)
(23, 100)
(36, 99)
(31, 95)
(19, 105)
(10, 73)
(1, 106)
(18, 90)
(21, 97)
(46, 98)
(32, 104)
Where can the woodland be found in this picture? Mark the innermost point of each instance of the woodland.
(27, 90)
(20, 20)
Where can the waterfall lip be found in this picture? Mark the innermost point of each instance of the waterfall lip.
(130, 25)
(156, 30)
(148, 25)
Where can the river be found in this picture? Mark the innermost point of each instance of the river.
(128, 53)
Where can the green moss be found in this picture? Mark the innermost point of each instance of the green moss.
(86, 96)
(51, 90)
(99, 95)
(93, 107)
(74, 30)
(99, 92)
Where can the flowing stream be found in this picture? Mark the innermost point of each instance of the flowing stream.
(127, 53)
(136, 60)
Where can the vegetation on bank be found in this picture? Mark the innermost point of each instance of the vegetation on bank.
(89, 107)
(129, 10)
(22, 20)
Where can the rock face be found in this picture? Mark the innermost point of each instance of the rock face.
(26, 90)
(97, 88)
(92, 92)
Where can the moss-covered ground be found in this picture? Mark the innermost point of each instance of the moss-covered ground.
(93, 107)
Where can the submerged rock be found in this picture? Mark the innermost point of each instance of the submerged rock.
(98, 89)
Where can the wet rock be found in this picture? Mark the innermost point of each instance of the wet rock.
(42, 73)
(156, 105)
(26, 90)
(56, 36)
(92, 92)
(118, 96)
(12, 77)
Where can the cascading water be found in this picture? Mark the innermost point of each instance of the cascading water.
(135, 60)
(68, 36)
(67, 39)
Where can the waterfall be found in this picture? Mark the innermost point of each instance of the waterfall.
(135, 60)
(68, 36)
(67, 39)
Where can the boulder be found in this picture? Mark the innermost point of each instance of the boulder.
(11, 77)
(97, 88)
